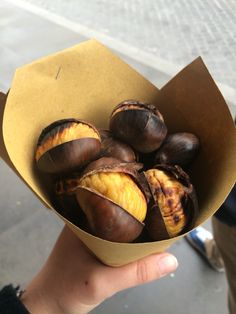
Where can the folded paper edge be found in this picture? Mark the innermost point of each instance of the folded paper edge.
(3, 151)
(199, 63)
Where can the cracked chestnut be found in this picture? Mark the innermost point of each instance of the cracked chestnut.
(139, 124)
(67, 145)
(178, 149)
(112, 200)
(173, 206)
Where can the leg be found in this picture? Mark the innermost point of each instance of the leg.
(202, 240)
(225, 237)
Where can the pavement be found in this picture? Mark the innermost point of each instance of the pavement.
(177, 31)
(27, 229)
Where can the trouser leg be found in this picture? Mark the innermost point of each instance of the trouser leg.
(225, 237)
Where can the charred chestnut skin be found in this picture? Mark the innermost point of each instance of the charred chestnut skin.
(107, 219)
(139, 124)
(70, 155)
(112, 147)
(111, 164)
(155, 223)
(65, 202)
(178, 149)
(64, 195)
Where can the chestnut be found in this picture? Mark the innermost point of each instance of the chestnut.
(139, 124)
(112, 147)
(66, 145)
(173, 206)
(112, 200)
(178, 149)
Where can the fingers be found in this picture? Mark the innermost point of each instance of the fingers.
(140, 272)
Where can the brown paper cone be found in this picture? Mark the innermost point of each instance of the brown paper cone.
(3, 152)
(87, 81)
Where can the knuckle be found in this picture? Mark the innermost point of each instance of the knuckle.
(142, 272)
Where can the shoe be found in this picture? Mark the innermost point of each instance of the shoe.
(202, 240)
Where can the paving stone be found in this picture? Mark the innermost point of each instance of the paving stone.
(25, 247)
(17, 201)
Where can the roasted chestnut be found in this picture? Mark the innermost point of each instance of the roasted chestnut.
(173, 206)
(139, 124)
(178, 149)
(112, 147)
(66, 145)
(114, 204)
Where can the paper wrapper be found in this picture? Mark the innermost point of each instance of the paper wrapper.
(86, 82)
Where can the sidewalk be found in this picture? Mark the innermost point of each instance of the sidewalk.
(28, 230)
(161, 35)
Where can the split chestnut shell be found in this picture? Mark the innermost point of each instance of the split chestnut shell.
(67, 145)
(139, 124)
(114, 204)
(173, 206)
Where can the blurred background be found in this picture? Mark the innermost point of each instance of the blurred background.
(158, 38)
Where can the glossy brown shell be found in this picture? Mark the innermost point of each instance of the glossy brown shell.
(178, 149)
(112, 147)
(139, 124)
(154, 222)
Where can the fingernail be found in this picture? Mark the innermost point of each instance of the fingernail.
(167, 264)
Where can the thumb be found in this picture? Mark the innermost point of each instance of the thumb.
(142, 271)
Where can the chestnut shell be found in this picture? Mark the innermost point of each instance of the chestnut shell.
(69, 155)
(139, 124)
(178, 149)
(111, 164)
(112, 147)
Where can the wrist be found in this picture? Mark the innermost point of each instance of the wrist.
(37, 300)
(41, 297)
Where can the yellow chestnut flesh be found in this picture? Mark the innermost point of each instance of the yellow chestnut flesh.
(120, 189)
(131, 107)
(168, 193)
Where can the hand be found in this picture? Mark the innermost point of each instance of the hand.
(74, 281)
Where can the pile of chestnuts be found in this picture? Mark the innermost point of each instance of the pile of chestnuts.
(124, 184)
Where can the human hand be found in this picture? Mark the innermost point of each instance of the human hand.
(74, 281)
